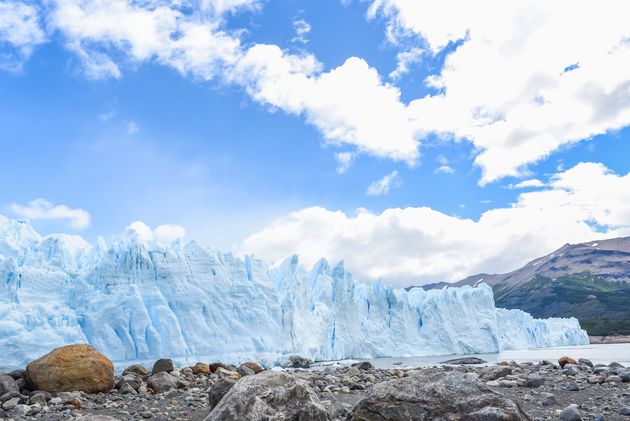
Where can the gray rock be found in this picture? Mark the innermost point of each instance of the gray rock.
(131, 379)
(613, 379)
(435, 396)
(615, 364)
(17, 374)
(624, 375)
(548, 399)
(39, 398)
(245, 371)
(297, 361)
(465, 361)
(8, 384)
(127, 389)
(270, 396)
(136, 369)
(364, 365)
(570, 370)
(162, 382)
(9, 395)
(534, 380)
(625, 411)
(586, 362)
(596, 379)
(570, 413)
(11, 404)
(496, 372)
(572, 386)
(218, 390)
(91, 417)
(21, 410)
(163, 365)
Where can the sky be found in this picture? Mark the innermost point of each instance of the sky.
(416, 141)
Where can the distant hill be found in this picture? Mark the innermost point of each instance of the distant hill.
(589, 281)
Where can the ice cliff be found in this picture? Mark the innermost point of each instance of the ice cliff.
(135, 301)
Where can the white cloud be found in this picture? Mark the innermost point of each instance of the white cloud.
(163, 234)
(42, 209)
(444, 169)
(132, 127)
(404, 60)
(383, 185)
(505, 87)
(512, 87)
(417, 245)
(20, 31)
(349, 104)
(344, 160)
(527, 184)
(223, 6)
(302, 29)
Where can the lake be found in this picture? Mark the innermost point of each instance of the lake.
(600, 353)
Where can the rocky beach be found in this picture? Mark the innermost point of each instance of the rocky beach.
(77, 382)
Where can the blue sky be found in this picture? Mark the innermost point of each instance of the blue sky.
(129, 128)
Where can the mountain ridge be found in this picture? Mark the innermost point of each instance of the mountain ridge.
(589, 281)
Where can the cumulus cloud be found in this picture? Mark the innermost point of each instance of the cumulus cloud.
(163, 234)
(527, 184)
(524, 80)
(444, 169)
(518, 82)
(417, 245)
(43, 210)
(383, 185)
(20, 33)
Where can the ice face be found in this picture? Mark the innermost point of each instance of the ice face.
(135, 301)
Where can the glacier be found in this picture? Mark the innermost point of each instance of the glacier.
(136, 301)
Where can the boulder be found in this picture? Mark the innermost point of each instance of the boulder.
(201, 368)
(465, 361)
(222, 373)
(17, 374)
(162, 382)
(253, 366)
(163, 365)
(245, 371)
(214, 366)
(425, 396)
(625, 375)
(496, 372)
(570, 413)
(364, 365)
(72, 367)
(297, 361)
(271, 396)
(218, 390)
(586, 362)
(136, 369)
(8, 384)
(534, 380)
(566, 360)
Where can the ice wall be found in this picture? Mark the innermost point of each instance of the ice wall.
(135, 301)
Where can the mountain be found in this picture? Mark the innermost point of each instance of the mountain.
(589, 281)
(136, 301)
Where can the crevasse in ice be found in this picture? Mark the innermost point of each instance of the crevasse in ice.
(135, 301)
